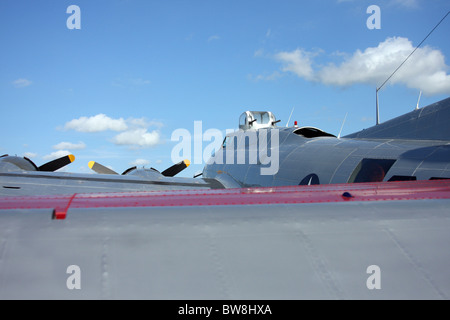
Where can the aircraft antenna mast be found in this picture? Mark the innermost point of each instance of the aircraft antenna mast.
(342, 126)
(377, 108)
(417, 106)
(287, 124)
(407, 59)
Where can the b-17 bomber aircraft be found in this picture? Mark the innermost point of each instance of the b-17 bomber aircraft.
(414, 146)
(278, 213)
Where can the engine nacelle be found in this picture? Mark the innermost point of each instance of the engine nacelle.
(14, 164)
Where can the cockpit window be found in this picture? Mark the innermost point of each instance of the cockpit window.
(265, 117)
(242, 119)
(261, 117)
(256, 120)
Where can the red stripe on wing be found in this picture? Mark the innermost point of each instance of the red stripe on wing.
(384, 191)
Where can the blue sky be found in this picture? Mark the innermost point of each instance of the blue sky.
(115, 90)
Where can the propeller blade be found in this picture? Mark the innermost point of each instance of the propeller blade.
(176, 168)
(57, 163)
(99, 168)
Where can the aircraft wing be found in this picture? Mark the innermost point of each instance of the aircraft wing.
(428, 123)
(344, 241)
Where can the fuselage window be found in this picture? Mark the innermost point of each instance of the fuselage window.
(371, 170)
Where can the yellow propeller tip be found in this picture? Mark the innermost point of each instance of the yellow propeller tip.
(91, 164)
(71, 157)
(187, 162)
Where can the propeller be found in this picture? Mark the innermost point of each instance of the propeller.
(99, 168)
(176, 168)
(57, 163)
(169, 172)
(25, 164)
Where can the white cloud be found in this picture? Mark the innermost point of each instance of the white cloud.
(135, 131)
(298, 61)
(56, 155)
(140, 162)
(425, 70)
(97, 123)
(138, 137)
(21, 83)
(69, 145)
(102, 122)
